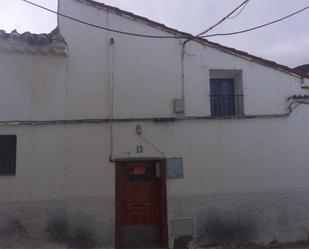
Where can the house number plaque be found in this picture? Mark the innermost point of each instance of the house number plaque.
(139, 149)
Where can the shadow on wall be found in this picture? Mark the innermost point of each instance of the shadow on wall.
(13, 228)
(227, 228)
(14, 232)
(78, 236)
(11, 232)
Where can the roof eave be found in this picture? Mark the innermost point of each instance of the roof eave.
(176, 32)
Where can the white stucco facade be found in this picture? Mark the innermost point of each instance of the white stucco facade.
(253, 168)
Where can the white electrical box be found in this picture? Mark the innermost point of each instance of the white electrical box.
(179, 106)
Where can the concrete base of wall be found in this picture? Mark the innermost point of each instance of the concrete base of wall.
(242, 218)
(224, 218)
(69, 224)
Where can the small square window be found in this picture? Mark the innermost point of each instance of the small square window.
(7, 155)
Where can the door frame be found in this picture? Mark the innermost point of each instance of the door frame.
(163, 229)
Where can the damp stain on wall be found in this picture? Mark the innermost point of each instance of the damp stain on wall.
(72, 236)
(227, 228)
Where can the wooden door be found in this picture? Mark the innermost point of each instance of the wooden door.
(141, 204)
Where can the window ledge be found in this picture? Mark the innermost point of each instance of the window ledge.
(243, 116)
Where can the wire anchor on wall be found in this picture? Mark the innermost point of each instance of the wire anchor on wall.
(139, 132)
(296, 100)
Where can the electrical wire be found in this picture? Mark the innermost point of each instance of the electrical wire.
(244, 3)
(260, 26)
(152, 145)
(183, 49)
(166, 37)
(296, 103)
(242, 9)
(104, 28)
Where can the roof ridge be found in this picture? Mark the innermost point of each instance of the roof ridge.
(135, 16)
(204, 41)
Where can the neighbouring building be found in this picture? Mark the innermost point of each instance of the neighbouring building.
(113, 140)
(303, 68)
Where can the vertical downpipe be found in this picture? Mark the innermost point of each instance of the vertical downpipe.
(183, 75)
(111, 70)
(183, 52)
(111, 62)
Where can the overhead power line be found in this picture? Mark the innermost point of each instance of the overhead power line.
(159, 36)
(104, 28)
(224, 18)
(242, 9)
(260, 26)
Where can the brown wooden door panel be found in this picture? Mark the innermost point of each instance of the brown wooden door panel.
(141, 198)
(140, 191)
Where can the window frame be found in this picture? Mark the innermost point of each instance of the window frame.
(8, 149)
(235, 75)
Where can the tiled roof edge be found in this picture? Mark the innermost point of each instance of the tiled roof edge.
(218, 46)
(33, 39)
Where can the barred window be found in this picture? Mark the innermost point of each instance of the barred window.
(226, 92)
(8, 155)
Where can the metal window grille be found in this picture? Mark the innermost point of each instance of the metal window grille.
(226, 105)
(223, 100)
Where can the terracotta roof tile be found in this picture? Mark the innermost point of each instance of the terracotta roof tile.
(33, 39)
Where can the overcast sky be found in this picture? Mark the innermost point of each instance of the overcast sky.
(286, 42)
